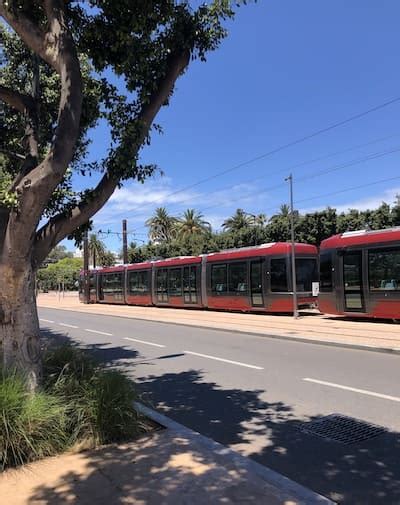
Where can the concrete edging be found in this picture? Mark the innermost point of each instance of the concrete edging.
(304, 495)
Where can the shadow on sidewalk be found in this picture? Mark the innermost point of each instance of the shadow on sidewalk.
(360, 473)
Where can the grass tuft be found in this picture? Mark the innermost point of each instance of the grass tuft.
(81, 404)
(31, 426)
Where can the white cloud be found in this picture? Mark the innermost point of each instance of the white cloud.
(136, 202)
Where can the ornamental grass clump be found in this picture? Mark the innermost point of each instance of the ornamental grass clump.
(81, 405)
(32, 426)
(99, 401)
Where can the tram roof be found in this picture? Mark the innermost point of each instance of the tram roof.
(271, 248)
(361, 237)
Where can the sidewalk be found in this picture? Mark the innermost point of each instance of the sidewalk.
(174, 466)
(310, 327)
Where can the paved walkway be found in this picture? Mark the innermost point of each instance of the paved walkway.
(310, 327)
(174, 466)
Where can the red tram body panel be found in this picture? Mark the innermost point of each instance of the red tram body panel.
(258, 279)
(138, 284)
(360, 274)
(249, 279)
(176, 282)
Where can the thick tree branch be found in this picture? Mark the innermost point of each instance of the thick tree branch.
(29, 32)
(22, 103)
(11, 154)
(57, 48)
(62, 225)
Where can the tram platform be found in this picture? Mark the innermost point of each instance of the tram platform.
(309, 327)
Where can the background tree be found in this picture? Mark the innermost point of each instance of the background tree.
(238, 221)
(162, 226)
(58, 253)
(191, 224)
(63, 274)
(54, 89)
(98, 253)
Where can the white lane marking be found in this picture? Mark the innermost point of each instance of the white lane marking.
(68, 325)
(224, 360)
(143, 342)
(99, 332)
(46, 320)
(355, 390)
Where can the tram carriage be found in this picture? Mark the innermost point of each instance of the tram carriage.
(360, 274)
(249, 279)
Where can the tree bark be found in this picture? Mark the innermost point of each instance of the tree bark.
(19, 323)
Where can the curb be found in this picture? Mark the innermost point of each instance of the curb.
(304, 495)
(357, 347)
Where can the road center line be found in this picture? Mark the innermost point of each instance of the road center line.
(143, 342)
(99, 332)
(355, 390)
(46, 320)
(224, 360)
(68, 325)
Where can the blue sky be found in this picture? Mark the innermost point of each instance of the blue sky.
(287, 69)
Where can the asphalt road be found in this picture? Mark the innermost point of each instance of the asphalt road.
(257, 394)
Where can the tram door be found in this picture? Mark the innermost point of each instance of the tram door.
(353, 282)
(256, 283)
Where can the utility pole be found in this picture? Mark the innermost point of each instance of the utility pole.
(294, 280)
(124, 242)
(86, 286)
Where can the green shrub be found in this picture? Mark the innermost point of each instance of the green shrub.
(31, 426)
(81, 403)
(98, 401)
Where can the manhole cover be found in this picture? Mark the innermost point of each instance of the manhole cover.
(342, 429)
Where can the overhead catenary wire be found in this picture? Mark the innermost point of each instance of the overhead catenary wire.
(306, 177)
(340, 191)
(279, 149)
(318, 173)
(285, 170)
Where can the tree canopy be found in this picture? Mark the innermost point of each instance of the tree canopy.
(311, 228)
(60, 63)
(55, 88)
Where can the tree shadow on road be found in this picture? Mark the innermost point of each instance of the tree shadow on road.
(362, 473)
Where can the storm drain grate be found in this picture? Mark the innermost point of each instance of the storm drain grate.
(342, 429)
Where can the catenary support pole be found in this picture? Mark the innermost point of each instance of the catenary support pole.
(124, 242)
(293, 255)
(86, 286)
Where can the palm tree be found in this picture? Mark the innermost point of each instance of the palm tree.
(97, 249)
(260, 219)
(192, 223)
(162, 226)
(238, 221)
(284, 210)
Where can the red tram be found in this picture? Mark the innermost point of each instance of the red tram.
(360, 274)
(248, 279)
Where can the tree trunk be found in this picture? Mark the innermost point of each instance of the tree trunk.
(19, 323)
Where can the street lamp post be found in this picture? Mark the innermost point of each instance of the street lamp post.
(294, 281)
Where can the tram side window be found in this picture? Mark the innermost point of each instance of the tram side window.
(279, 280)
(112, 284)
(325, 272)
(92, 284)
(161, 283)
(219, 279)
(384, 269)
(138, 282)
(175, 282)
(238, 278)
